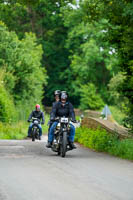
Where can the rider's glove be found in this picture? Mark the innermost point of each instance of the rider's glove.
(28, 120)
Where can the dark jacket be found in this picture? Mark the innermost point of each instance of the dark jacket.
(58, 110)
(37, 114)
(54, 103)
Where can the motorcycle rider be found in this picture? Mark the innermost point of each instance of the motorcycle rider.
(56, 96)
(57, 99)
(62, 109)
(37, 113)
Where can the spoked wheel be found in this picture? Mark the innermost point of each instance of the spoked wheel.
(33, 135)
(64, 144)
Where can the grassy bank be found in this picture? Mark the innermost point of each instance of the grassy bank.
(18, 130)
(102, 141)
(117, 114)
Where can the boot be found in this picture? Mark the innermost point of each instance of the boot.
(72, 145)
(49, 145)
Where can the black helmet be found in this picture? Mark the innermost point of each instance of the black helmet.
(64, 92)
(57, 92)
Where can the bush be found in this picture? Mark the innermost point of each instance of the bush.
(14, 131)
(7, 109)
(118, 115)
(94, 139)
(102, 141)
(123, 149)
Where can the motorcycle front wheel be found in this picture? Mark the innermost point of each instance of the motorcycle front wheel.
(33, 135)
(64, 144)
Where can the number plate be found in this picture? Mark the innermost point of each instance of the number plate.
(64, 120)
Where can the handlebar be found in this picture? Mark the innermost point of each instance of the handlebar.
(33, 119)
(58, 118)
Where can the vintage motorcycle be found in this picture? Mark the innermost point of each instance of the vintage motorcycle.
(61, 135)
(35, 130)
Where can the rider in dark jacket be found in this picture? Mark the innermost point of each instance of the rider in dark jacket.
(39, 115)
(57, 99)
(56, 96)
(62, 109)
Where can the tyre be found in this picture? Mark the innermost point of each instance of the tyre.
(64, 144)
(33, 135)
(59, 151)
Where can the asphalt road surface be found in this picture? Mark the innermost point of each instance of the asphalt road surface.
(30, 171)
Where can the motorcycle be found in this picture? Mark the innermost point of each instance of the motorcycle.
(61, 136)
(35, 130)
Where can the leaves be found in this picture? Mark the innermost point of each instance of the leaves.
(24, 76)
(89, 98)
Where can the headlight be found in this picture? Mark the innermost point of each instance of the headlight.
(35, 122)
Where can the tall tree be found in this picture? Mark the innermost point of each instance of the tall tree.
(44, 19)
(120, 33)
(25, 75)
(93, 59)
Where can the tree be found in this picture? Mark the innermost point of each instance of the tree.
(21, 59)
(45, 20)
(93, 59)
(89, 98)
(115, 88)
(7, 108)
(120, 33)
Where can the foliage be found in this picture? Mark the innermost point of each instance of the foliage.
(119, 15)
(123, 149)
(91, 55)
(119, 33)
(13, 131)
(23, 75)
(83, 42)
(102, 141)
(118, 114)
(21, 60)
(75, 50)
(7, 108)
(45, 20)
(98, 139)
(89, 98)
(128, 120)
(115, 88)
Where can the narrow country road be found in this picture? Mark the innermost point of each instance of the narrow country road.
(30, 171)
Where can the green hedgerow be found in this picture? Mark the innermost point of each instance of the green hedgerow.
(122, 148)
(100, 140)
(94, 139)
(7, 108)
(13, 131)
